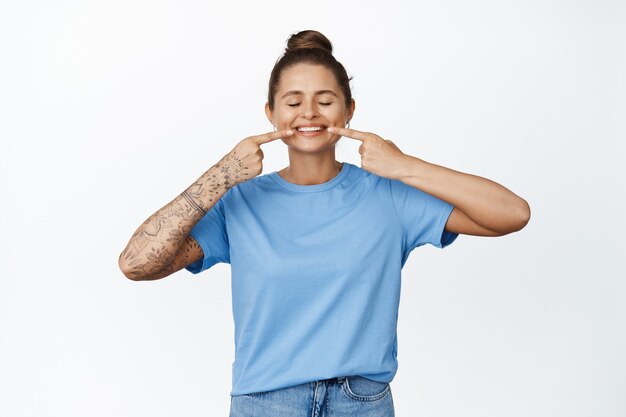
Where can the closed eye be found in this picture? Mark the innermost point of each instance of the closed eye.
(321, 104)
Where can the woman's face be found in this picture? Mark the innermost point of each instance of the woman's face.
(308, 101)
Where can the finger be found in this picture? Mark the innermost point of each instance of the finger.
(349, 133)
(271, 136)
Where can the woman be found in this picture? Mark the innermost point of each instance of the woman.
(316, 249)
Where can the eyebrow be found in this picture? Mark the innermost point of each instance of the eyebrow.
(317, 93)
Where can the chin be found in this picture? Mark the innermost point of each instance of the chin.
(309, 146)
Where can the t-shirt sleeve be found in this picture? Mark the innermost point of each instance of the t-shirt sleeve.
(422, 216)
(210, 233)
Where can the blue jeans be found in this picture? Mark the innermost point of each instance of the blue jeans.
(349, 396)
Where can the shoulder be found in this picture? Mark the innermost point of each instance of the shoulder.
(359, 175)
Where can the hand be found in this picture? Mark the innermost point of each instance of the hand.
(378, 156)
(245, 161)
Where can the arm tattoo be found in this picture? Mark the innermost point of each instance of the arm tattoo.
(155, 244)
(193, 203)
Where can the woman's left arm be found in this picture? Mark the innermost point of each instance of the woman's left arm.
(481, 207)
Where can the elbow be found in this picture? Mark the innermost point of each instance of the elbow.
(520, 216)
(138, 272)
(524, 214)
(131, 276)
(517, 218)
(130, 273)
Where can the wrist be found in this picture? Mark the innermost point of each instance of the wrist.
(228, 173)
(409, 168)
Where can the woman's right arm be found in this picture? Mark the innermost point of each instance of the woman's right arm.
(161, 246)
(156, 242)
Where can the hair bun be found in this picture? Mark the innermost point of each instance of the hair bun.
(308, 39)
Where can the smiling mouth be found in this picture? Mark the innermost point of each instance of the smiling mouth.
(310, 128)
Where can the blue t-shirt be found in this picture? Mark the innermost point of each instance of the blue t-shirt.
(316, 273)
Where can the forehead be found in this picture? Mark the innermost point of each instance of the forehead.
(307, 78)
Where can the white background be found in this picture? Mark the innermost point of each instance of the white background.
(110, 109)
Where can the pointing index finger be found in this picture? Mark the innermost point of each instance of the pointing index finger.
(349, 133)
(271, 136)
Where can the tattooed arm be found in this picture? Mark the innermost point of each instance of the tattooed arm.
(154, 245)
(161, 245)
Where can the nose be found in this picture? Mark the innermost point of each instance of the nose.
(309, 110)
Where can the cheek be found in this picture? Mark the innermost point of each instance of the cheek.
(284, 120)
(337, 116)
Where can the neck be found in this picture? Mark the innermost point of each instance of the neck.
(311, 169)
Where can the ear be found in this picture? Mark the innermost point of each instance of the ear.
(351, 109)
(268, 112)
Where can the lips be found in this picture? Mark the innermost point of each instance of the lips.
(310, 128)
